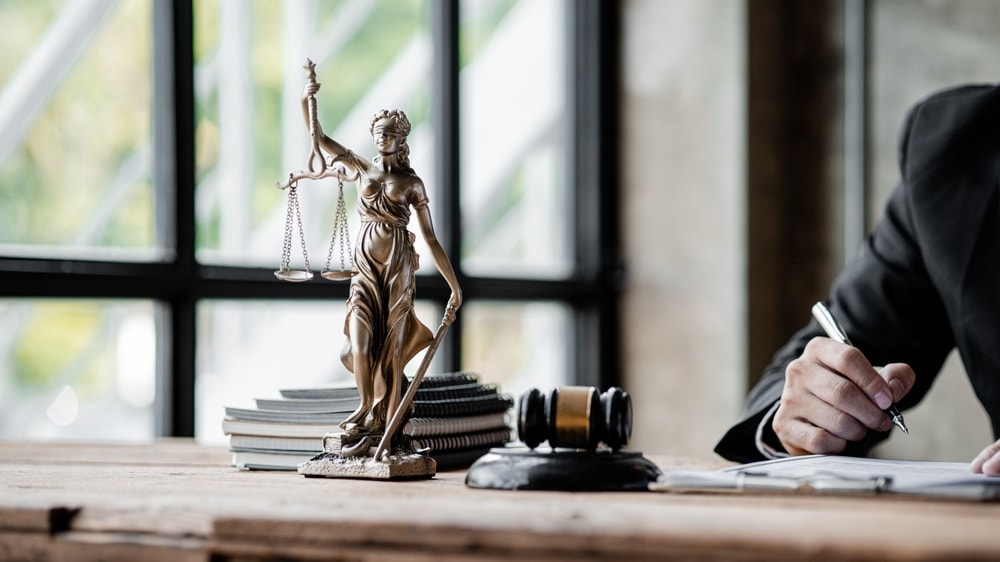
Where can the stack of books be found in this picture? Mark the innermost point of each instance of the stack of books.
(456, 417)
(281, 433)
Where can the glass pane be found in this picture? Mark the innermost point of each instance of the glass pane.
(956, 43)
(77, 369)
(250, 128)
(516, 206)
(249, 350)
(518, 345)
(75, 130)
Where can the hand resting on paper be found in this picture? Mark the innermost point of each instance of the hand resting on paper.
(988, 461)
(833, 395)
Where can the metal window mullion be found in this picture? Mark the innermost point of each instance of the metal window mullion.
(174, 181)
(445, 116)
(855, 125)
(594, 174)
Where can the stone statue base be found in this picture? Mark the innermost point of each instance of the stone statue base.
(333, 463)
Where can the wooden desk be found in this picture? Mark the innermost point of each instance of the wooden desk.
(177, 501)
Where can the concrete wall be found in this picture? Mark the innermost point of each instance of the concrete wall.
(684, 211)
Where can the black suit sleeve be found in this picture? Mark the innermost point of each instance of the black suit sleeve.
(887, 304)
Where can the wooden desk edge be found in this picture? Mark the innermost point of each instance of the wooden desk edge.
(529, 525)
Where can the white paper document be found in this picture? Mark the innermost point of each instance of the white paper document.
(837, 475)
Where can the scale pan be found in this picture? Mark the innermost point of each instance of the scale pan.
(294, 275)
(333, 275)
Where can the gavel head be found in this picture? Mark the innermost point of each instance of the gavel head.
(575, 417)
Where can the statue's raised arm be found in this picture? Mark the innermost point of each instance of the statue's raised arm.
(320, 141)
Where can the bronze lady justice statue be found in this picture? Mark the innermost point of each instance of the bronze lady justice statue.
(383, 332)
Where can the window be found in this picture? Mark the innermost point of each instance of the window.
(140, 144)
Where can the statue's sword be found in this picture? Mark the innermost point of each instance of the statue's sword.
(404, 405)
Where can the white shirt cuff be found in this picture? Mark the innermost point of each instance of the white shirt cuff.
(768, 451)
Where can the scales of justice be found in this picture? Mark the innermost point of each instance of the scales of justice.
(382, 331)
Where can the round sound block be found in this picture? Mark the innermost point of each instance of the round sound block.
(520, 468)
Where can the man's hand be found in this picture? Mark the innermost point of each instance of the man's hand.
(988, 461)
(833, 395)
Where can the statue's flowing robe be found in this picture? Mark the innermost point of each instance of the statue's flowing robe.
(382, 290)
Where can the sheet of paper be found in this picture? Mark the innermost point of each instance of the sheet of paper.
(901, 476)
(825, 474)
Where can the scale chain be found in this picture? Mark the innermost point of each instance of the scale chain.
(286, 250)
(340, 231)
(293, 195)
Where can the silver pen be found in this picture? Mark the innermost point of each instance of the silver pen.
(836, 332)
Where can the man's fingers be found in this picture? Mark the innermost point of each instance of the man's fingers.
(900, 378)
(809, 425)
(988, 461)
(836, 373)
(848, 362)
(850, 403)
(800, 437)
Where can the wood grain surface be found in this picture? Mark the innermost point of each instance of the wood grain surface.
(174, 500)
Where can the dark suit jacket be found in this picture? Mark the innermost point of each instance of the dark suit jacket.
(928, 277)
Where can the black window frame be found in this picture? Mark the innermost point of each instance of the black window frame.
(179, 283)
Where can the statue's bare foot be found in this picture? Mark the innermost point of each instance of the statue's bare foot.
(356, 417)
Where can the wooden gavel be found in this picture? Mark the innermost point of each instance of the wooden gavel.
(576, 417)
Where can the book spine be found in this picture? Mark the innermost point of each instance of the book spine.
(275, 416)
(264, 443)
(342, 393)
(268, 461)
(323, 405)
(446, 379)
(452, 392)
(276, 429)
(462, 406)
(463, 441)
(424, 427)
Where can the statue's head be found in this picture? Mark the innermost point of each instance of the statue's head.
(394, 122)
(391, 120)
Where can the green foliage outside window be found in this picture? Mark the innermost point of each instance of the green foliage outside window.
(79, 175)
